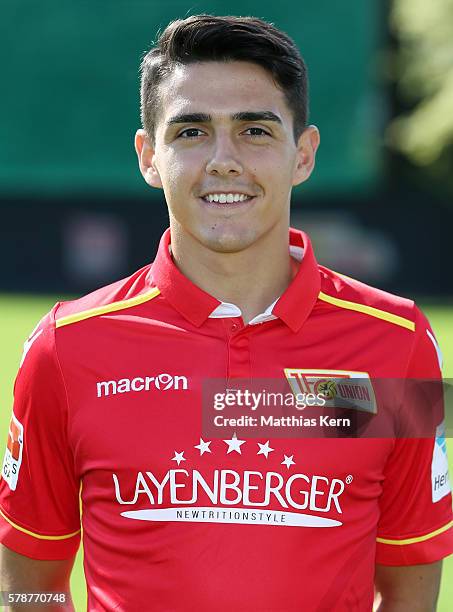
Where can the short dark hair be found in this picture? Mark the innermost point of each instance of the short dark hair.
(201, 38)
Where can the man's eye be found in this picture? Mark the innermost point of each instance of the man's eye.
(257, 131)
(190, 133)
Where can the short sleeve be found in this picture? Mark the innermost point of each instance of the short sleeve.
(39, 492)
(415, 524)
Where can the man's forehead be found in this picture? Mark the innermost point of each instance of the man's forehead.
(181, 74)
(220, 90)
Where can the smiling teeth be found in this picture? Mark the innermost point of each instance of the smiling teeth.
(224, 198)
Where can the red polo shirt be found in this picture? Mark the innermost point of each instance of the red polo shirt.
(108, 408)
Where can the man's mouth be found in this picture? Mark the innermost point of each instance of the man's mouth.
(226, 198)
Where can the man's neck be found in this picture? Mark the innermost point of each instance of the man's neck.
(251, 279)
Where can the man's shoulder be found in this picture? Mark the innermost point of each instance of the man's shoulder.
(347, 293)
(39, 348)
(120, 295)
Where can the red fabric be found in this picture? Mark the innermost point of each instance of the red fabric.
(123, 439)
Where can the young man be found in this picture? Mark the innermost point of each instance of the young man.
(108, 399)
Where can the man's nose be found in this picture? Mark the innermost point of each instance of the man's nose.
(224, 159)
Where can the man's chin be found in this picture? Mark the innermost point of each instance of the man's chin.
(228, 242)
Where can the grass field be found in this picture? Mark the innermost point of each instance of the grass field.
(19, 315)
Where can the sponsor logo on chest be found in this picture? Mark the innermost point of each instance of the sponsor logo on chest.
(159, 382)
(284, 496)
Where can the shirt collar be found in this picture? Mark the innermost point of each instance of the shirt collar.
(225, 310)
(293, 306)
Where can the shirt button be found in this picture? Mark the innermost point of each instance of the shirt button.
(234, 327)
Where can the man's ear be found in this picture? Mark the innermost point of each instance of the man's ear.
(146, 159)
(307, 146)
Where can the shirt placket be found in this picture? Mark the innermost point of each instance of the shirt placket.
(238, 348)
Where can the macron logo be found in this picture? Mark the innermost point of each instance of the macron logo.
(161, 382)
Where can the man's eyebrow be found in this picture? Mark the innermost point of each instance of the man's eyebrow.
(190, 118)
(256, 116)
(241, 116)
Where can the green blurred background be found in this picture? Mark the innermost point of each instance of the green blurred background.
(76, 214)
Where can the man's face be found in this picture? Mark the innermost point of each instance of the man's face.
(224, 132)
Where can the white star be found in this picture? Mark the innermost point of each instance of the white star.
(288, 461)
(234, 444)
(265, 449)
(179, 457)
(203, 447)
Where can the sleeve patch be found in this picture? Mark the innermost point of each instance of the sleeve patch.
(439, 467)
(13, 453)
